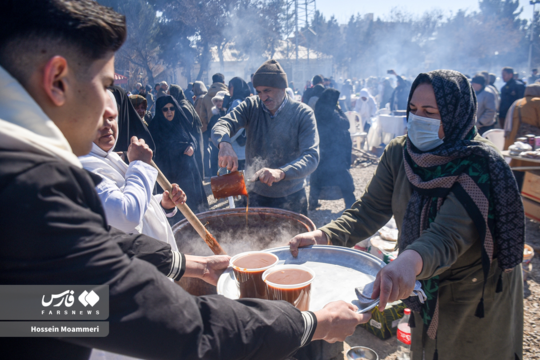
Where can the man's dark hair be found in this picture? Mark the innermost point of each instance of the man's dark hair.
(33, 31)
(317, 79)
(157, 85)
(508, 70)
(218, 78)
(535, 70)
(479, 79)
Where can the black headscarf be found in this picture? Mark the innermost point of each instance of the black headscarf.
(326, 106)
(475, 173)
(170, 133)
(241, 90)
(188, 110)
(177, 92)
(333, 127)
(172, 139)
(129, 122)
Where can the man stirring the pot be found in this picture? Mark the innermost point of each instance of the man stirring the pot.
(56, 62)
(282, 146)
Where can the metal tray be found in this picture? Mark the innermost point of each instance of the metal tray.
(339, 270)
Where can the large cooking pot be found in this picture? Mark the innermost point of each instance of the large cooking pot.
(266, 228)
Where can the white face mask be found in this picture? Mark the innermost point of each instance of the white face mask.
(424, 132)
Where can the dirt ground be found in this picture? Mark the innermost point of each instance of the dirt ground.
(387, 349)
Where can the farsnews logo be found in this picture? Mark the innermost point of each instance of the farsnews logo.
(66, 298)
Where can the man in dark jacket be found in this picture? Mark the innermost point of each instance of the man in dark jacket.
(54, 231)
(400, 96)
(314, 92)
(510, 92)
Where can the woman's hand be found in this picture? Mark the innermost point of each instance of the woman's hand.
(178, 197)
(316, 237)
(189, 151)
(207, 268)
(396, 280)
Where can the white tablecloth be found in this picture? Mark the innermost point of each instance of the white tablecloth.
(384, 129)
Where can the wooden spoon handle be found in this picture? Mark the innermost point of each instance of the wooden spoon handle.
(193, 220)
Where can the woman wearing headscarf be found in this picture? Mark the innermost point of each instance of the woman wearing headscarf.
(335, 147)
(140, 104)
(239, 90)
(174, 153)
(461, 228)
(129, 122)
(366, 107)
(192, 121)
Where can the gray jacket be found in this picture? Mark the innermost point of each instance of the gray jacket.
(486, 111)
(289, 142)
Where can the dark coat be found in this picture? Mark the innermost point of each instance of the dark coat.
(69, 242)
(510, 92)
(400, 95)
(335, 145)
(172, 138)
(192, 122)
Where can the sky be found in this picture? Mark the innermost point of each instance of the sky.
(343, 9)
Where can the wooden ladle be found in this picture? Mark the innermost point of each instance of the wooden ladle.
(193, 220)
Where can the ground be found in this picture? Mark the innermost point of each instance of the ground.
(387, 349)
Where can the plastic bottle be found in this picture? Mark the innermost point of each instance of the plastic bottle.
(404, 337)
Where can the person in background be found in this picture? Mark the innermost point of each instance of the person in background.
(218, 111)
(150, 100)
(157, 87)
(137, 90)
(492, 80)
(189, 93)
(251, 88)
(282, 146)
(492, 89)
(327, 83)
(175, 147)
(313, 94)
(163, 89)
(398, 101)
(534, 76)
(386, 93)
(239, 91)
(347, 91)
(218, 84)
(523, 118)
(199, 92)
(192, 123)
(486, 112)
(510, 92)
(335, 149)
(366, 107)
(461, 228)
(140, 104)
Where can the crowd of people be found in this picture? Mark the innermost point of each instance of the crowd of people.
(78, 156)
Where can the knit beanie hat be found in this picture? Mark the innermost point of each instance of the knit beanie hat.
(270, 74)
(219, 96)
(479, 79)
